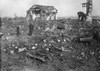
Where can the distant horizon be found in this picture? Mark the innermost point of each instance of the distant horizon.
(57, 17)
(66, 8)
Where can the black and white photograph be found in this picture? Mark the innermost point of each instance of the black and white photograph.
(49, 35)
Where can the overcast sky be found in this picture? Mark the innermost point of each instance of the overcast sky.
(65, 7)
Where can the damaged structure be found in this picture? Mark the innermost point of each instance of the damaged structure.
(41, 12)
(88, 5)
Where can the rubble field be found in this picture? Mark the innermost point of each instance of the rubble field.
(59, 45)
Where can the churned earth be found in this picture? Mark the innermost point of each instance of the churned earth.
(61, 45)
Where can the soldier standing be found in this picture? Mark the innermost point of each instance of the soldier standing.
(1, 34)
(17, 30)
(31, 27)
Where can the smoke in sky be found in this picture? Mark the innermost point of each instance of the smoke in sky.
(65, 7)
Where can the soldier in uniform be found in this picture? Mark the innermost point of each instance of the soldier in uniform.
(18, 30)
(31, 27)
(1, 34)
(81, 16)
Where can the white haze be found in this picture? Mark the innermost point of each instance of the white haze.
(65, 7)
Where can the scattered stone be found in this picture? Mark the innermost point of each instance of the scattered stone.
(21, 49)
(33, 47)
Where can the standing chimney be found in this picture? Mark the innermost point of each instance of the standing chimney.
(89, 9)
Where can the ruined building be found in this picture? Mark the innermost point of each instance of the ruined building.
(42, 12)
(88, 5)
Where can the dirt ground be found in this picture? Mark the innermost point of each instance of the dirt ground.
(50, 49)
